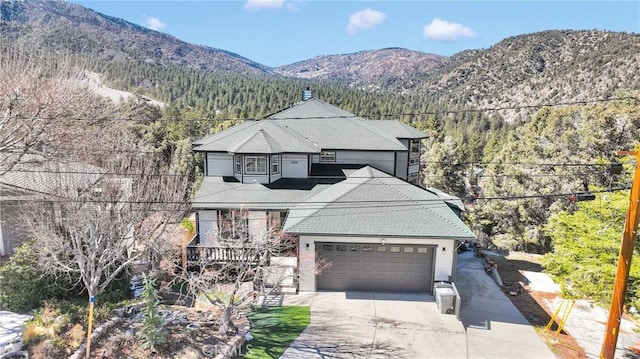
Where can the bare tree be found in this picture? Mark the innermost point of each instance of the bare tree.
(102, 219)
(44, 102)
(239, 268)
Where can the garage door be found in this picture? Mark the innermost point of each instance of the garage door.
(375, 267)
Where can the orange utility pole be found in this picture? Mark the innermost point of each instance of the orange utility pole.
(624, 264)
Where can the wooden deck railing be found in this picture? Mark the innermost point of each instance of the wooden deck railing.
(196, 253)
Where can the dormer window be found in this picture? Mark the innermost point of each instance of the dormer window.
(328, 156)
(255, 165)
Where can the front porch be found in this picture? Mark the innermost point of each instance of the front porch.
(219, 253)
(280, 268)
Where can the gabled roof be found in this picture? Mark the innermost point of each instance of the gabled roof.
(36, 174)
(451, 200)
(257, 137)
(372, 203)
(308, 127)
(312, 108)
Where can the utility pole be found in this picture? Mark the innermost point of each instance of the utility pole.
(624, 263)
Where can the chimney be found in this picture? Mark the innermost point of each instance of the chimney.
(306, 94)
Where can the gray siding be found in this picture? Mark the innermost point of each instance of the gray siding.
(219, 164)
(295, 166)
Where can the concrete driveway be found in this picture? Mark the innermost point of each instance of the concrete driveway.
(495, 327)
(387, 325)
(376, 325)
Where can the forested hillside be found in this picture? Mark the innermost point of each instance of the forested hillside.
(66, 28)
(573, 98)
(375, 69)
(546, 67)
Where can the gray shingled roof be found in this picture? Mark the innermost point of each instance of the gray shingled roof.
(216, 192)
(372, 203)
(308, 127)
(312, 108)
(397, 129)
(36, 174)
(257, 137)
(448, 198)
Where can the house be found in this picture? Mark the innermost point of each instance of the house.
(28, 182)
(347, 187)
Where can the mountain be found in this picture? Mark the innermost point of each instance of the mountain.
(545, 67)
(526, 70)
(69, 28)
(371, 67)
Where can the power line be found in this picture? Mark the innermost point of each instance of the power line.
(438, 112)
(123, 174)
(368, 203)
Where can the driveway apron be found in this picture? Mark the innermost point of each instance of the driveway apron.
(388, 325)
(378, 325)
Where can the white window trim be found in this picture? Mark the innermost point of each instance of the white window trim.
(237, 159)
(275, 164)
(331, 158)
(255, 171)
(414, 156)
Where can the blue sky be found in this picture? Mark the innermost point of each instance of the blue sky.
(279, 32)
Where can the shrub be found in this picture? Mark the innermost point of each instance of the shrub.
(188, 224)
(151, 334)
(22, 286)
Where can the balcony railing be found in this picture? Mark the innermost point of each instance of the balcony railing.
(196, 253)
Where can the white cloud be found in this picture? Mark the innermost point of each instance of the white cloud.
(255, 5)
(154, 23)
(364, 20)
(442, 30)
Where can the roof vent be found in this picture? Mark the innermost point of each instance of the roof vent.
(306, 94)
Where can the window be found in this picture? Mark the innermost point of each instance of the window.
(414, 178)
(238, 160)
(327, 247)
(233, 224)
(275, 220)
(255, 165)
(328, 156)
(367, 248)
(341, 247)
(408, 249)
(275, 164)
(414, 152)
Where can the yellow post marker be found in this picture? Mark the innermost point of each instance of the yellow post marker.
(565, 315)
(92, 300)
(553, 318)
